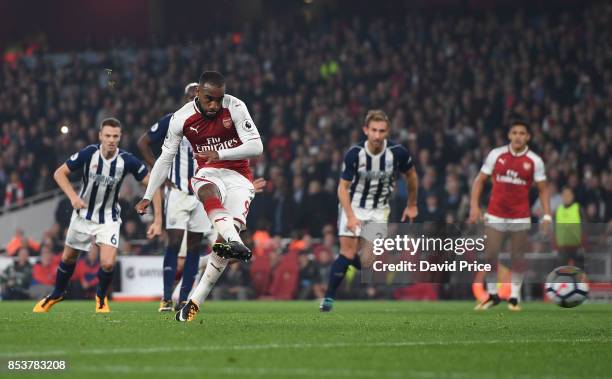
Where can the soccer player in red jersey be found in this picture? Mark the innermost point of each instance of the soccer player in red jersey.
(513, 169)
(223, 137)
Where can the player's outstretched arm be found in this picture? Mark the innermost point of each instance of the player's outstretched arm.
(352, 222)
(477, 187)
(249, 149)
(411, 211)
(61, 177)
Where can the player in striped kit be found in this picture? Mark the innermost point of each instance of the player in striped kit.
(96, 210)
(183, 211)
(368, 177)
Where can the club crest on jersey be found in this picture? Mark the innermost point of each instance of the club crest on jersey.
(527, 166)
(227, 122)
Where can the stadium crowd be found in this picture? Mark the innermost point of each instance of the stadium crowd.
(450, 84)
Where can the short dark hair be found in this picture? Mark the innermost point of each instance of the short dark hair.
(519, 122)
(212, 77)
(111, 121)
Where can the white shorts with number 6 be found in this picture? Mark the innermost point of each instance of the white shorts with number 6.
(81, 231)
(237, 192)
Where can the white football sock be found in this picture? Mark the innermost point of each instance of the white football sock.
(492, 283)
(213, 271)
(515, 286)
(224, 225)
(201, 268)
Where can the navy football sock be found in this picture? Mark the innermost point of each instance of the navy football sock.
(170, 259)
(338, 270)
(356, 262)
(105, 278)
(62, 277)
(190, 271)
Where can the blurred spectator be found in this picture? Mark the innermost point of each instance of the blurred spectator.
(308, 276)
(18, 241)
(14, 192)
(43, 274)
(318, 208)
(15, 279)
(234, 284)
(324, 261)
(568, 230)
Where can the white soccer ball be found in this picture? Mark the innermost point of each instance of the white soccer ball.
(567, 286)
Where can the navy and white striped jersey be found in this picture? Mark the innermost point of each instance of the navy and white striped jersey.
(183, 168)
(102, 180)
(373, 176)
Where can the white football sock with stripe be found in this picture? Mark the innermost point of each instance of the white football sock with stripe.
(224, 225)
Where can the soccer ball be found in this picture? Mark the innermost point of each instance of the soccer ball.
(567, 286)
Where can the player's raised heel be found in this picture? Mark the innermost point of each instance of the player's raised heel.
(232, 250)
(45, 304)
(326, 305)
(165, 306)
(489, 303)
(102, 305)
(188, 312)
(513, 304)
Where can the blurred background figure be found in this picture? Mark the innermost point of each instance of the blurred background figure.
(16, 278)
(568, 230)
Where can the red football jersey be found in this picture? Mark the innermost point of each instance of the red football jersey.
(512, 174)
(231, 127)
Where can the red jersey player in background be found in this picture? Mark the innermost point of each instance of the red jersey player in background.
(513, 168)
(223, 137)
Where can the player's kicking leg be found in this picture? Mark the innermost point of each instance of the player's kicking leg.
(493, 244)
(229, 245)
(190, 270)
(62, 278)
(349, 246)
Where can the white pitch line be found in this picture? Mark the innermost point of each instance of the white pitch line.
(309, 372)
(204, 348)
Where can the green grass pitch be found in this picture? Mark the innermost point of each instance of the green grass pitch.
(293, 340)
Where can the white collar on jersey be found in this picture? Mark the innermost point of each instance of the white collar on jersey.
(525, 150)
(365, 145)
(111, 158)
